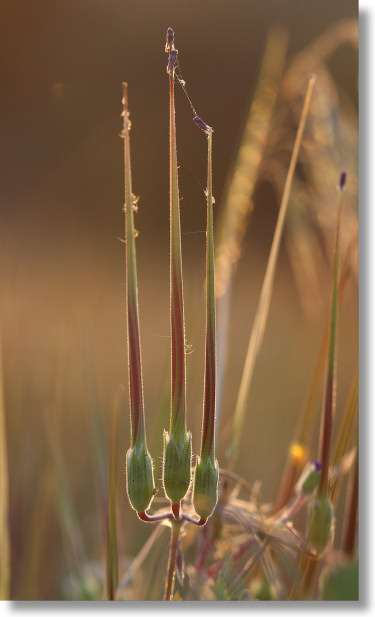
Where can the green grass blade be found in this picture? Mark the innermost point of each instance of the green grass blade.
(112, 552)
(266, 292)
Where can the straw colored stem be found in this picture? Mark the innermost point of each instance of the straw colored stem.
(266, 292)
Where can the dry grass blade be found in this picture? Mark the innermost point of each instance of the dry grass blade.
(265, 296)
(4, 496)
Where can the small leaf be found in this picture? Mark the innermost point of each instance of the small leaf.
(342, 583)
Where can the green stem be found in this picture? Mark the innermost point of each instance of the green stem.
(169, 585)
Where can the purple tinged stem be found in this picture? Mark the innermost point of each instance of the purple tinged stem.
(178, 378)
(209, 403)
(329, 400)
(134, 348)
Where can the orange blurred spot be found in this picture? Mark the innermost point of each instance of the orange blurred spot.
(298, 452)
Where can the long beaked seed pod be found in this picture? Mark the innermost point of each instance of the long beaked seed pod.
(177, 443)
(139, 468)
(206, 475)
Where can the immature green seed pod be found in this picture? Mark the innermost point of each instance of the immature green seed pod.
(177, 465)
(139, 478)
(205, 486)
(309, 478)
(320, 523)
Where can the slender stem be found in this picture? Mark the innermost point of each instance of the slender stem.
(178, 421)
(195, 521)
(209, 404)
(169, 585)
(329, 400)
(265, 296)
(134, 346)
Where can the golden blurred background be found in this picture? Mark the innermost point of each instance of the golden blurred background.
(62, 270)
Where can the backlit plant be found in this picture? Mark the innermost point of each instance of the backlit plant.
(177, 454)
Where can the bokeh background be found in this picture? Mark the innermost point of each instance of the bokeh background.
(62, 273)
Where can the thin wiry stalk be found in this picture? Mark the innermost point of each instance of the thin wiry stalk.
(329, 400)
(256, 337)
(4, 496)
